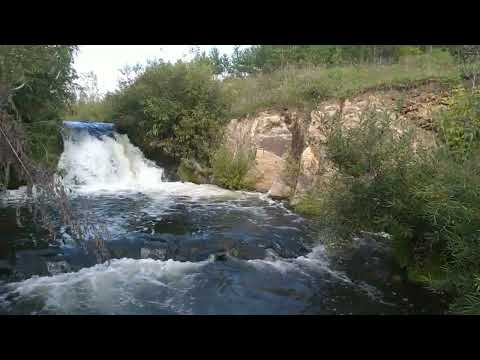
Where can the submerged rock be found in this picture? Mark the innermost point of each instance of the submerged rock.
(220, 256)
(156, 254)
(57, 267)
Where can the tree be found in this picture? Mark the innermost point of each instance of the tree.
(469, 59)
(128, 75)
(172, 111)
(220, 63)
(39, 79)
(88, 92)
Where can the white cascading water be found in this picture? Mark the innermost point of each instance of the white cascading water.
(110, 162)
(107, 162)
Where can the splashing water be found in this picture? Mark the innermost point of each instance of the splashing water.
(182, 248)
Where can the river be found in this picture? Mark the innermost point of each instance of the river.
(182, 248)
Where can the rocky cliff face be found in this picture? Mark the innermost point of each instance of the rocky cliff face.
(278, 139)
(290, 145)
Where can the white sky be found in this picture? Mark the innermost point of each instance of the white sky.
(106, 60)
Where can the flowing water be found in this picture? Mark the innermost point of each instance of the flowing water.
(181, 248)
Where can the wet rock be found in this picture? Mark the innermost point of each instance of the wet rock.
(192, 171)
(220, 256)
(57, 267)
(234, 252)
(31, 262)
(156, 254)
(49, 252)
(271, 255)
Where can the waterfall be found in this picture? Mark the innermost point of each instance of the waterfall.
(96, 156)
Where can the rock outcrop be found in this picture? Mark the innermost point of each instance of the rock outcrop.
(275, 135)
(290, 145)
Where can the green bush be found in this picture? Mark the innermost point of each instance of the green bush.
(229, 168)
(459, 124)
(43, 76)
(428, 200)
(176, 109)
(189, 170)
(408, 50)
(90, 110)
(44, 142)
(36, 86)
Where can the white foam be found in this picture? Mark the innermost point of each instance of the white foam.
(107, 163)
(127, 286)
(315, 261)
(108, 288)
(13, 196)
(113, 165)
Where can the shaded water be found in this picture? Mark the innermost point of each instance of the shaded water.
(180, 248)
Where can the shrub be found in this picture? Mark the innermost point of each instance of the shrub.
(230, 167)
(459, 124)
(176, 109)
(428, 200)
(189, 170)
(44, 142)
(408, 50)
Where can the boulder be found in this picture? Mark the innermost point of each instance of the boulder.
(279, 190)
(268, 167)
(272, 134)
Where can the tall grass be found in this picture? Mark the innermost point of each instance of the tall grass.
(304, 86)
(231, 166)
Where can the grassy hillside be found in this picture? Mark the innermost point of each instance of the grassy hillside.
(305, 86)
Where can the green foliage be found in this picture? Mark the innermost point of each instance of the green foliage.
(89, 104)
(44, 142)
(230, 167)
(176, 109)
(90, 110)
(191, 171)
(267, 58)
(43, 77)
(428, 200)
(459, 125)
(187, 173)
(220, 64)
(408, 50)
(305, 86)
(36, 86)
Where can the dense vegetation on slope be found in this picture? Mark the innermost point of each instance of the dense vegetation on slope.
(306, 86)
(37, 83)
